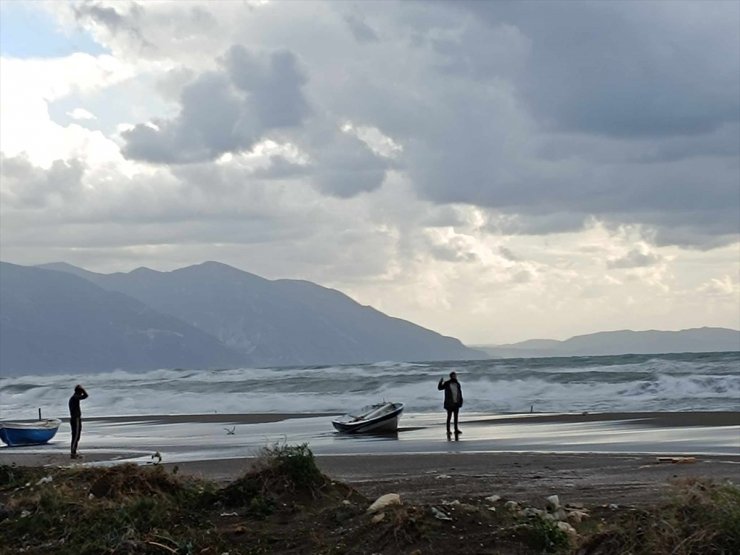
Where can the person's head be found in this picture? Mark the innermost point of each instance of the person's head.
(453, 375)
(78, 389)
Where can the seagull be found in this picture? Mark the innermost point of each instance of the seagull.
(231, 431)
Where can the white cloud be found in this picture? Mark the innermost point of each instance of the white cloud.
(80, 114)
(724, 286)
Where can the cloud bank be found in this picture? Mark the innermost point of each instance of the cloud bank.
(413, 154)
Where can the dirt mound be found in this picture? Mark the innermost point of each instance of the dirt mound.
(284, 476)
(128, 479)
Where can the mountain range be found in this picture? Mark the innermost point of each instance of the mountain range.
(60, 318)
(695, 340)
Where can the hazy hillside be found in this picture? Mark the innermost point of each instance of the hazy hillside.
(281, 322)
(696, 340)
(52, 322)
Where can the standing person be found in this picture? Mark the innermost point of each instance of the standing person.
(75, 417)
(453, 399)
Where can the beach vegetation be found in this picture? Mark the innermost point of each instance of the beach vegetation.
(543, 536)
(120, 509)
(703, 518)
(284, 505)
(293, 466)
(281, 475)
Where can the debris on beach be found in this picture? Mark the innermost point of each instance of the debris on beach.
(676, 460)
(384, 501)
(440, 515)
(378, 518)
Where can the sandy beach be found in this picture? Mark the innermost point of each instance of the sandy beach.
(585, 458)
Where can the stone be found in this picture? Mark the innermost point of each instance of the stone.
(560, 514)
(577, 515)
(492, 498)
(512, 505)
(531, 511)
(567, 528)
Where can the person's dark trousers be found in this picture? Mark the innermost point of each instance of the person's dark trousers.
(449, 416)
(76, 425)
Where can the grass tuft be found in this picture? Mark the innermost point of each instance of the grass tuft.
(702, 519)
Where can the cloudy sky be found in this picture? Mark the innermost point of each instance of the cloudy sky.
(495, 171)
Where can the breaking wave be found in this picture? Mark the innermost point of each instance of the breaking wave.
(675, 382)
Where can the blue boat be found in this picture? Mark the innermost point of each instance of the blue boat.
(35, 432)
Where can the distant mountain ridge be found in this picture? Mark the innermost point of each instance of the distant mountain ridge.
(622, 342)
(59, 317)
(52, 321)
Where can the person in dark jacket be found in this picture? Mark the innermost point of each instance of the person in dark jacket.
(75, 417)
(453, 399)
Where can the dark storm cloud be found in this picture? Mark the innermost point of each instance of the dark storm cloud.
(272, 84)
(225, 111)
(623, 111)
(344, 166)
(548, 114)
(626, 68)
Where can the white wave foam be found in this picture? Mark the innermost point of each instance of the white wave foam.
(652, 384)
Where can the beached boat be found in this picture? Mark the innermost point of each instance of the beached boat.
(382, 417)
(28, 433)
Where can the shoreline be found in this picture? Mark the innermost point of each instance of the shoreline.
(587, 458)
(652, 418)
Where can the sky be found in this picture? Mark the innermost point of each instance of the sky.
(494, 171)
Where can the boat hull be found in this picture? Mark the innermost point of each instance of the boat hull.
(15, 434)
(381, 418)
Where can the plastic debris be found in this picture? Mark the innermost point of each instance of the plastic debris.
(378, 518)
(384, 501)
(676, 460)
(439, 515)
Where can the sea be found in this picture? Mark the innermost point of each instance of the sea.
(624, 383)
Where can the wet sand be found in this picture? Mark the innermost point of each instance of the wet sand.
(586, 458)
(525, 477)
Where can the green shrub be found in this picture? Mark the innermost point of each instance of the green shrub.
(544, 535)
(295, 463)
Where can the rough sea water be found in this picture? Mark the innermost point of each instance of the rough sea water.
(670, 382)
